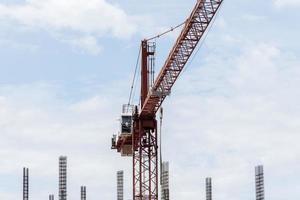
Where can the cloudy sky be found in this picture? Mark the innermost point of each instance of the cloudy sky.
(66, 68)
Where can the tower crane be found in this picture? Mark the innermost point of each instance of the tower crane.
(138, 137)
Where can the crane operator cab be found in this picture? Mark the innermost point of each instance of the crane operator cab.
(126, 123)
(123, 142)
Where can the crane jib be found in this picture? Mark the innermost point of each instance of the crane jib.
(194, 29)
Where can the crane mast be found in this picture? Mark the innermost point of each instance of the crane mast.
(139, 139)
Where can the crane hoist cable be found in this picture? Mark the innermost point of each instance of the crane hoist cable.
(135, 88)
(134, 77)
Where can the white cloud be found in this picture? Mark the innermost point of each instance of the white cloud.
(254, 18)
(89, 19)
(231, 116)
(222, 119)
(94, 16)
(283, 3)
(87, 44)
(18, 45)
(40, 127)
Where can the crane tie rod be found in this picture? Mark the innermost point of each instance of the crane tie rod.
(166, 32)
(134, 77)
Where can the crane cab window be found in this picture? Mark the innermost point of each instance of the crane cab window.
(126, 124)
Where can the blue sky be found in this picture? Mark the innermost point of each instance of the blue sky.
(66, 69)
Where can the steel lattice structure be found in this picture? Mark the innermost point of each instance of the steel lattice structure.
(51, 197)
(193, 31)
(62, 192)
(143, 137)
(259, 183)
(120, 185)
(83, 192)
(145, 163)
(25, 183)
(165, 190)
(208, 189)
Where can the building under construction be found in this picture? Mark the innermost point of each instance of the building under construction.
(138, 136)
(164, 183)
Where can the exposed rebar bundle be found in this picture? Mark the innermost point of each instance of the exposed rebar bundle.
(51, 197)
(120, 185)
(208, 189)
(25, 183)
(62, 192)
(259, 182)
(165, 191)
(83, 193)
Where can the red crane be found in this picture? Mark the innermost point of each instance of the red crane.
(138, 137)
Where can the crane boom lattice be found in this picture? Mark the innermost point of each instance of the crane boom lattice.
(193, 31)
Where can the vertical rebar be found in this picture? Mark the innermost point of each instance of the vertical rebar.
(62, 192)
(120, 185)
(51, 197)
(208, 188)
(25, 183)
(165, 194)
(83, 193)
(259, 182)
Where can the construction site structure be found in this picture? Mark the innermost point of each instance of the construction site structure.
(165, 190)
(25, 183)
(62, 185)
(51, 197)
(259, 182)
(208, 184)
(120, 185)
(83, 192)
(138, 137)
